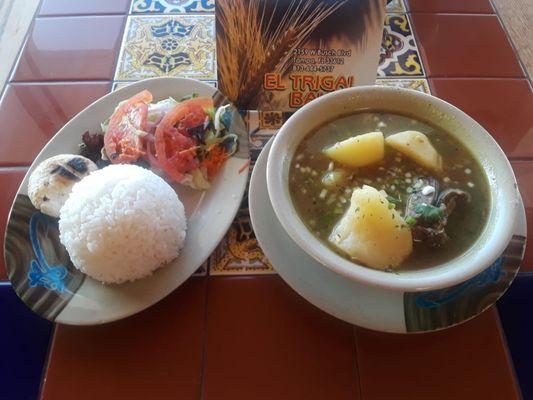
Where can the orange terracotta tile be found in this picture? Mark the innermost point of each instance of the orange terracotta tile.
(451, 6)
(469, 361)
(31, 114)
(524, 175)
(71, 48)
(154, 355)
(455, 45)
(76, 7)
(266, 342)
(9, 183)
(502, 106)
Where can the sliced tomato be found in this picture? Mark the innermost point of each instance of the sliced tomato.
(175, 149)
(122, 141)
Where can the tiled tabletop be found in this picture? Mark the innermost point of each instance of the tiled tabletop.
(236, 330)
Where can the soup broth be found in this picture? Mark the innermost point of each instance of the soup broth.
(321, 203)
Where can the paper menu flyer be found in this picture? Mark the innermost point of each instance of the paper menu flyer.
(281, 54)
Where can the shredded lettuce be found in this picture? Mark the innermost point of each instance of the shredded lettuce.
(199, 181)
(220, 121)
(196, 180)
(104, 154)
(211, 138)
(189, 96)
(210, 111)
(231, 143)
(139, 132)
(104, 125)
(161, 106)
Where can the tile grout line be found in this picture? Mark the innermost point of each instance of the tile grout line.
(93, 14)
(422, 61)
(66, 82)
(207, 278)
(480, 78)
(125, 28)
(89, 15)
(509, 39)
(19, 53)
(464, 14)
(14, 168)
(415, 40)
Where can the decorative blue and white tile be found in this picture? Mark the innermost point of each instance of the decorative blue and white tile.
(395, 6)
(420, 85)
(173, 6)
(177, 45)
(399, 54)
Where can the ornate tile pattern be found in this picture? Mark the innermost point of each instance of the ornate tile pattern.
(177, 45)
(416, 84)
(239, 253)
(399, 54)
(395, 6)
(172, 6)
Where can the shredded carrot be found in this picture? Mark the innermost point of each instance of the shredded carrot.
(214, 161)
(244, 167)
(189, 150)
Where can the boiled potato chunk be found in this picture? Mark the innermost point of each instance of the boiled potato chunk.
(372, 232)
(358, 151)
(417, 147)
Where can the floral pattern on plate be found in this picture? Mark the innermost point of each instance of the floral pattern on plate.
(173, 6)
(178, 45)
(399, 54)
(420, 85)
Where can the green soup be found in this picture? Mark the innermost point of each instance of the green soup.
(321, 188)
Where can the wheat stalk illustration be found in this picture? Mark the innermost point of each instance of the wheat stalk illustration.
(248, 47)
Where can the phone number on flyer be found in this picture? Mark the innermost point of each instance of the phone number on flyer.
(313, 68)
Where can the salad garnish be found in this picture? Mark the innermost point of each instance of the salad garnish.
(186, 141)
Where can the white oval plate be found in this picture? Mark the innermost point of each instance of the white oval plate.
(37, 264)
(371, 307)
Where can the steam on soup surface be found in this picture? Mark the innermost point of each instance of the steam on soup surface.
(419, 198)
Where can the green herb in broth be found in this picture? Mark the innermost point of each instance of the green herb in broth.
(321, 205)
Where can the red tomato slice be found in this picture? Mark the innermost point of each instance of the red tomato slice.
(175, 149)
(122, 144)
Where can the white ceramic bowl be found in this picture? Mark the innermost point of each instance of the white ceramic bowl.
(505, 198)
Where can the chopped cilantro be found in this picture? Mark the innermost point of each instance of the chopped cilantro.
(410, 220)
(430, 214)
(394, 200)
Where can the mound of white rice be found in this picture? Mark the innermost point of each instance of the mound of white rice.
(121, 223)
